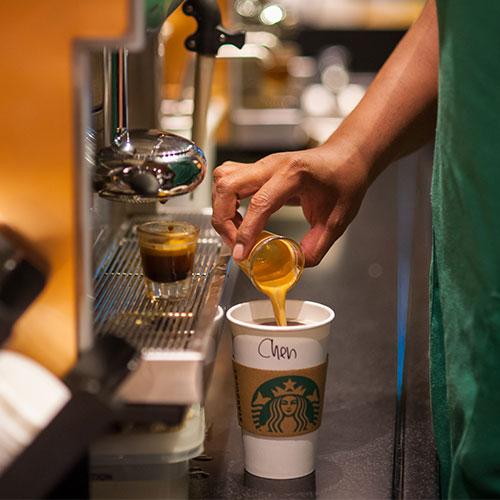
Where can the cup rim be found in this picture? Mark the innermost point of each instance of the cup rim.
(278, 329)
(190, 228)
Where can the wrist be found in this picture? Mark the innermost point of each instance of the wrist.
(351, 145)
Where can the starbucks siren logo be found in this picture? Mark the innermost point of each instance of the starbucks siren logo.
(288, 404)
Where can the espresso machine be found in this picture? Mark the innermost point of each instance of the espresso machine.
(78, 175)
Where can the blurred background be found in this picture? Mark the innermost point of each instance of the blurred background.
(304, 66)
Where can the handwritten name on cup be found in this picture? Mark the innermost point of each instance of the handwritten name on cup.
(268, 348)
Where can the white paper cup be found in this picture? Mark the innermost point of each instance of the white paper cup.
(280, 375)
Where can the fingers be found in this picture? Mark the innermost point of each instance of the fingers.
(269, 187)
(230, 228)
(317, 241)
(274, 193)
(328, 224)
(232, 182)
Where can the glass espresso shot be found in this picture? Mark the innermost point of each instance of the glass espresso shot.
(167, 254)
(274, 265)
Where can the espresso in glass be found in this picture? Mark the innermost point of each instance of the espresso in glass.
(167, 253)
(165, 265)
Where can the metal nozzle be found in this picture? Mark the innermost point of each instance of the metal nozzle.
(142, 166)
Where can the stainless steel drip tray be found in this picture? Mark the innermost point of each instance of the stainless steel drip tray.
(177, 339)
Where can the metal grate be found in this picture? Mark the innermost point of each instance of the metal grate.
(121, 307)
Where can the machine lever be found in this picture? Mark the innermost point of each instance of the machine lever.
(210, 34)
(206, 41)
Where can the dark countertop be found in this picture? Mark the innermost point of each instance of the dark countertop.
(361, 280)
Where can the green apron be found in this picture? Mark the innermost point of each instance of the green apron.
(465, 272)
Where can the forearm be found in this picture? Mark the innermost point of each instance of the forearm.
(398, 112)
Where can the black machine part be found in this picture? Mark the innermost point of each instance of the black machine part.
(210, 34)
(22, 278)
(91, 409)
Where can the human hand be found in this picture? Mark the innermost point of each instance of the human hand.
(329, 182)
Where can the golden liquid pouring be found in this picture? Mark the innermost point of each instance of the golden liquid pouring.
(274, 269)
